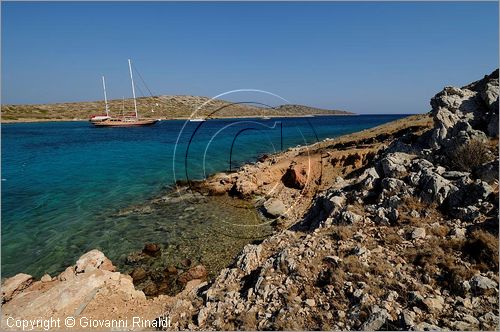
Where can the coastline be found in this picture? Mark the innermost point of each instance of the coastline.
(375, 229)
(181, 118)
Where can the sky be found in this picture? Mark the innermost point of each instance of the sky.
(375, 57)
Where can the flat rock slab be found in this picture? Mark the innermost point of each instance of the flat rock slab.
(275, 208)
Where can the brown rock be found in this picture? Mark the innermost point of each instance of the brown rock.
(355, 160)
(150, 290)
(64, 298)
(12, 286)
(107, 265)
(263, 158)
(186, 262)
(197, 272)
(138, 274)
(68, 274)
(163, 288)
(89, 261)
(170, 270)
(293, 178)
(135, 257)
(218, 185)
(435, 304)
(46, 278)
(244, 188)
(152, 249)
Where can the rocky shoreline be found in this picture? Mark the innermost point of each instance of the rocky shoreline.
(392, 228)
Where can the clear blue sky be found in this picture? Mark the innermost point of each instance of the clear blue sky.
(362, 57)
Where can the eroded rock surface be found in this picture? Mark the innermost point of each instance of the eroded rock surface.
(88, 289)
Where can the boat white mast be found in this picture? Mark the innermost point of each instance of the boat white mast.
(105, 96)
(133, 87)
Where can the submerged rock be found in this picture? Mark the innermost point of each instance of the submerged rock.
(150, 289)
(197, 272)
(138, 274)
(170, 270)
(274, 208)
(186, 262)
(152, 249)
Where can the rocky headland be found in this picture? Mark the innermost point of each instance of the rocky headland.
(392, 228)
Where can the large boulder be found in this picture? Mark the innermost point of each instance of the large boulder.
(70, 293)
(435, 188)
(487, 172)
(468, 193)
(152, 249)
(12, 286)
(197, 272)
(274, 208)
(462, 114)
(395, 165)
(376, 320)
(456, 100)
(244, 188)
(90, 261)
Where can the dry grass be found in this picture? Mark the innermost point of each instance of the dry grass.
(390, 238)
(343, 233)
(441, 258)
(428, 212)
(439, 230)
(482, 248)
(468, 156)
(248, 320)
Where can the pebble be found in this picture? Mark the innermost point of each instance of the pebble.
(418, 233)
(46, 278)
(311, 302)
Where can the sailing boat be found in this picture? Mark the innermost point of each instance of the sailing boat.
(97, 118)
(124, 121)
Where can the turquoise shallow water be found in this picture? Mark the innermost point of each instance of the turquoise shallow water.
(63, 183)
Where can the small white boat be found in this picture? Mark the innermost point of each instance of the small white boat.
(197, 120)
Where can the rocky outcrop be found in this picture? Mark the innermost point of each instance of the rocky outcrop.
(89, 289)
(407, 242)
(463, 114)
(12, 286)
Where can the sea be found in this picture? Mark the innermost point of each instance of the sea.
(68, 187)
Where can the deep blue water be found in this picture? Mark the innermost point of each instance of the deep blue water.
(62, 182)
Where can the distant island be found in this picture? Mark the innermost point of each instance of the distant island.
(158, 107)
